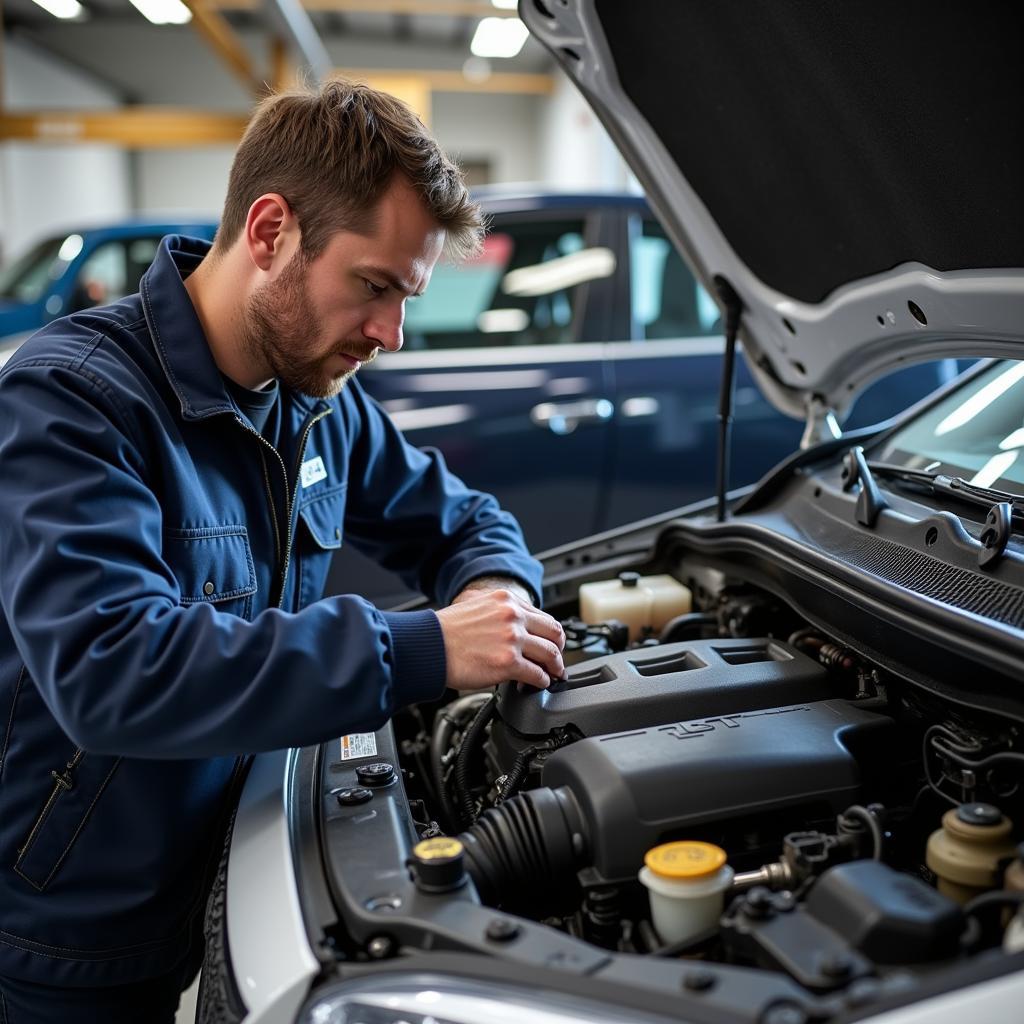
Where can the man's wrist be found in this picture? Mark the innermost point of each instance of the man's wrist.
(483, 584)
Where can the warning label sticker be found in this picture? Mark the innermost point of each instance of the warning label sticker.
(358, 744)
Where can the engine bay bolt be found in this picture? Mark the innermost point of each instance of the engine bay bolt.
(354, 796)
(698, 981)
(758, 903)
(862, 992)
(380, 947)
(835, 966)
(500, 930)
(784, 1013)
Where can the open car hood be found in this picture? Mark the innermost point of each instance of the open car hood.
(855, 171)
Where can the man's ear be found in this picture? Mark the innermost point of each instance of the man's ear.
(271, 231)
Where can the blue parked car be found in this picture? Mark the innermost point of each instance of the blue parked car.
(75, 270)
(572, 369)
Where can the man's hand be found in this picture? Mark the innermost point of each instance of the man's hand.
(493, 636)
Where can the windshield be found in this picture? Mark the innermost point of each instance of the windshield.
(27, 278)
(976, 432)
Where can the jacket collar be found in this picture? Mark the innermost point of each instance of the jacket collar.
(181, 345)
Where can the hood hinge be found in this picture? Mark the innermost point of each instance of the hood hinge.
(821, 424)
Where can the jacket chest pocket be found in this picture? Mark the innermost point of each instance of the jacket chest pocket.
(319, 535)
(213, 565)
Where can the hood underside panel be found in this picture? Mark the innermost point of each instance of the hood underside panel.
(853, 169)
(834, 141)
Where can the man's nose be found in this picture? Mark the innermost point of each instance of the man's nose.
(385, 328)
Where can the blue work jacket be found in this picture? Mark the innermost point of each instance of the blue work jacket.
(161, 578)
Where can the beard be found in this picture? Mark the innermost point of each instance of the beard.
(279, 331)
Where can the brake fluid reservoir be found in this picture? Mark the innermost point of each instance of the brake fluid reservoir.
(640, 602)
(967, 853)
(686, 882)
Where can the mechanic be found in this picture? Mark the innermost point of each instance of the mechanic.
(178, 468)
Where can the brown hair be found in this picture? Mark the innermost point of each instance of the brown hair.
(332, 153)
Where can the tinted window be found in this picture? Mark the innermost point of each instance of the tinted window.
(28, 277)
(667, 300)
(523, 289)
(113, 271)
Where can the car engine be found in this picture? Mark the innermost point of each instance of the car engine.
(846, 805)
(744, 810)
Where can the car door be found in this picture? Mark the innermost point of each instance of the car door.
(498, 371)
(667, 375)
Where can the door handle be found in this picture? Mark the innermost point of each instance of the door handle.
(564, 417)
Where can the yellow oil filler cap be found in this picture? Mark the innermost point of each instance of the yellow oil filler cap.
(684, 860)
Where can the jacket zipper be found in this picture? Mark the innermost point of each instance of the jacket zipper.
(62, 783)
(291, 493)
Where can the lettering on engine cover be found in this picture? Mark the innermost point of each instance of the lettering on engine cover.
(691, 730)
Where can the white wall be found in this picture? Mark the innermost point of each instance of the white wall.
(574, 149)
(498, 128)
(44, 188)
(189, 181)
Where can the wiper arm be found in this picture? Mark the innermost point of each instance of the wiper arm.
(956, 486)
(1005, 509)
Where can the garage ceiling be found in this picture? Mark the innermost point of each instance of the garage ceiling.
(448, 24)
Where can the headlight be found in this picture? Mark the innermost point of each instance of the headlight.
(422, 998)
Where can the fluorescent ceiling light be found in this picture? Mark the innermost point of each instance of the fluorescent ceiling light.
(994, 469)
(505, 5)
(560, 273)
(980, 401)
(499, 37)
(503, 321)
(71, 246)
(61, 8)
(163, 12)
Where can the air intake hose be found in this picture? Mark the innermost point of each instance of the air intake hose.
(524, 851)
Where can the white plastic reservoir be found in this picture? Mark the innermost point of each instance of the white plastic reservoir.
(643, 603)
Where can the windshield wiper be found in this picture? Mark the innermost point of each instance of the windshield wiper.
(1005, 509)
(955, 486)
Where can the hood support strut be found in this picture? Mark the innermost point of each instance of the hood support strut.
(733, 311)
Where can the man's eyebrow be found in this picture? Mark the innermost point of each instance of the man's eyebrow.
(395, 282)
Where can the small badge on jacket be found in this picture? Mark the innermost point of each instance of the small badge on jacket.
(312, 472)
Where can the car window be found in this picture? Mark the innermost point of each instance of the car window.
(976, 431)
(523, 289)
(28, 277)
(667, 300)
(112, 271)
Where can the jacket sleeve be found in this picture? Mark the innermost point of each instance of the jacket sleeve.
(410, 514)
(95, 612)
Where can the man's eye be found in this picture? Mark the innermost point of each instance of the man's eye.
(374, 289)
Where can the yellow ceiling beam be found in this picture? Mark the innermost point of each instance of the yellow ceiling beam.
(456, 81)
(446, 8)
(133, 127)
(221, 37)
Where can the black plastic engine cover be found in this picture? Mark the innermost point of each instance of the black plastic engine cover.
(637, 789)
(651, 686)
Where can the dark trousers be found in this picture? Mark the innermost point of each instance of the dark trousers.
(147, 1002)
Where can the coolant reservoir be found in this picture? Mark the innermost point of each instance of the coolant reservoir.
(643, 603)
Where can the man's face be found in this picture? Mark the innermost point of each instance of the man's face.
(319, 320)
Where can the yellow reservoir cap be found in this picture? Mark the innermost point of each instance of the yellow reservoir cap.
(440, 848)
(687, 859)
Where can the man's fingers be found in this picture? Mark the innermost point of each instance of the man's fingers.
(532, 675)
(545, 654)
(541, 624)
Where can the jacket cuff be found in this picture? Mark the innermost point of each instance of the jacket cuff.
(417, 647)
